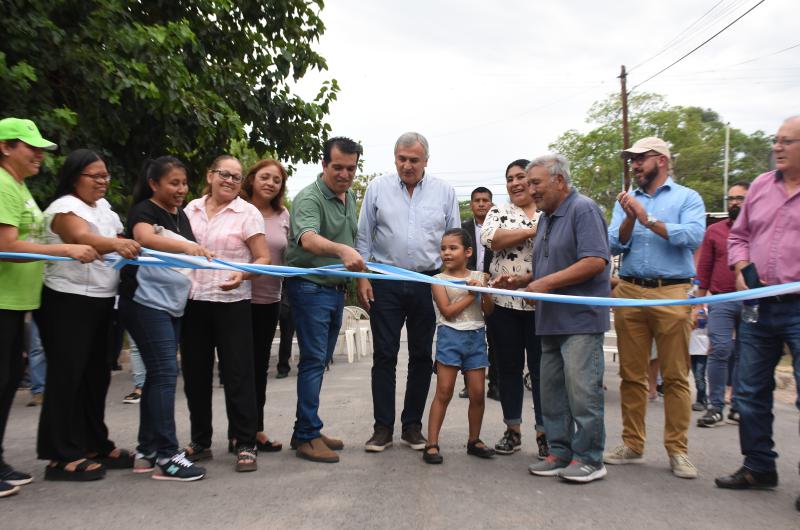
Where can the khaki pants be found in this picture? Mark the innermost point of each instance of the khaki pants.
(636, 329)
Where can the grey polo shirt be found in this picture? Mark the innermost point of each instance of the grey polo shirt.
(574, 231)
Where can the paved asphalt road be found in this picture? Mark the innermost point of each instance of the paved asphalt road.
(396, 489)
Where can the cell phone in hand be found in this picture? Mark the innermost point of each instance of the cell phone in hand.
(750, 275)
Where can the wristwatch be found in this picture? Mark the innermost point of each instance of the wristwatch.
(651, 220)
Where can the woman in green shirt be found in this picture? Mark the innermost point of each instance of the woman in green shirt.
(21, 226)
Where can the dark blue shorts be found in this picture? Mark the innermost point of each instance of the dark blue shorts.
(465, 349)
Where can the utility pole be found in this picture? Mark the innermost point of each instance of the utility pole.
(626, 141)
(727, 165)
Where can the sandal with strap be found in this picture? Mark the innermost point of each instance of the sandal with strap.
(81, 473)
(246, 459)
(270, 446)
(196, 452)
(432, 458)
(477, 448)
(124, 460)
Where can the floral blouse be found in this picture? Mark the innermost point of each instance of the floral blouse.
(514, 260)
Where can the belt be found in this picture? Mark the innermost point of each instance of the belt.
(782, 299)
(652, 283)
(338, 287)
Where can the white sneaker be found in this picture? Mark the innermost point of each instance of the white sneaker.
(681, 466)
(622, 454)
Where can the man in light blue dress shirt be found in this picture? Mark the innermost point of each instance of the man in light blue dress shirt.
(403, 218)
(656, 229)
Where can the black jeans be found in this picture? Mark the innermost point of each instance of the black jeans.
(75, 332)
(156, 333)
(265, 320)
(514, 333)
(12, 343)
(398, 302)
(228, 328)
(287, 334)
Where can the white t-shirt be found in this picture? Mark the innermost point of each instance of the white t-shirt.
(471, 317)
(96, 279)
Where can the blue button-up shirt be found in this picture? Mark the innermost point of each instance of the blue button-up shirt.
(396, 229)
(648, 255)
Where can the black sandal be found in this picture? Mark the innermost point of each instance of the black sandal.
(124, 460)
(246, 459)
(195, 452)
(81, 473)
(481, 452)
(432, 458)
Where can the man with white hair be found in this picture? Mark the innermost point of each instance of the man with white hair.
(763, 247)
(403, 218)
(656, 228)
(571, 257)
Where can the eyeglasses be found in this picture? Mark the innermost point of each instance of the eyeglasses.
(785, 142)
(227, 175)
(98, 177)
(731, 198)
(642, 157)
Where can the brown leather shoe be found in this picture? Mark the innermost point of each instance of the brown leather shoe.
(332, 443)
(316, 451)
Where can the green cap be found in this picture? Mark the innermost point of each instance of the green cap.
(25, 130)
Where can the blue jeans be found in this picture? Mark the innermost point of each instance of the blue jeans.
(317, 313)
(760, 350)
(157, 333)
(699, 372)
(138, 369)
(572, 369)
(723, 319)
(37, 363)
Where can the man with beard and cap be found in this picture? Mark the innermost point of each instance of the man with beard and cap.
(723, 318)
(656, 228)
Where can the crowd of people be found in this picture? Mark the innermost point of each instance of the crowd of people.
(548, 238)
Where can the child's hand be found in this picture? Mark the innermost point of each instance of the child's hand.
(474, 283)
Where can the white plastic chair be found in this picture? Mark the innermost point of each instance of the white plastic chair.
(356, 335)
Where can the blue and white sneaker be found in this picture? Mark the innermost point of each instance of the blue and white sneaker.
(11, 476)
(179, 468)
(578, 471)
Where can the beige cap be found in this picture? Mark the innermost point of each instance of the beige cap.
(651, 143)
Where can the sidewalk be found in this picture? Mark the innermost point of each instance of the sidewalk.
(395, 489)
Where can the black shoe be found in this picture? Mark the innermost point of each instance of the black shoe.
(544, 447)
(745, 479)
(699, 406)
(464, 393)
(7, 490)
(432, 458)
(9, 475)
(282, 375)
(380, 440)
(660, 389)
(412, 437)
(733, 417)
(712, 418)
(493, 393)
(481, 451)
(510, 443)
(797, 503)
(179, 468)
(195, 452)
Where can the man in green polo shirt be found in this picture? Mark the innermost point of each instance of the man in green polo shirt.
(323, 230)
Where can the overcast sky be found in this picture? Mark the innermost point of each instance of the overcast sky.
(490, 82)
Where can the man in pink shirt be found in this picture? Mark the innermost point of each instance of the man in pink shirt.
(723, 319)
(766, 234)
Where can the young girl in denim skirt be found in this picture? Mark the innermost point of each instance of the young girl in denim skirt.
(460, 343)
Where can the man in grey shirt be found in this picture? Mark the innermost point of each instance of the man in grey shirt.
(403, 218)
(571, 256)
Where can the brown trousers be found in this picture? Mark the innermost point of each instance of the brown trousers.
(636, 329)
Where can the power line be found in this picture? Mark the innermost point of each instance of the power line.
(669, 44)
(737, 19)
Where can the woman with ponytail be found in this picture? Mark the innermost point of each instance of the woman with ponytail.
(151, 304)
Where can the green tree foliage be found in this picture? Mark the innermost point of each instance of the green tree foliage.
(696, 136)
(464, 209)
(142, 79)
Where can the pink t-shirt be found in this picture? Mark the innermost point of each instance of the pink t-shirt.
(226, 234)
(267, 289)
